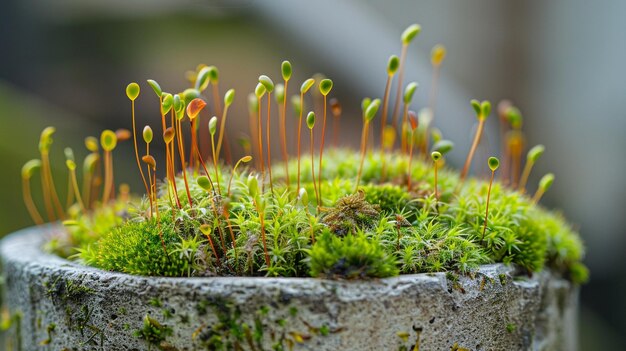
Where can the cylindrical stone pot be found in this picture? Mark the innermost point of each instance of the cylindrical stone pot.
(56, 304)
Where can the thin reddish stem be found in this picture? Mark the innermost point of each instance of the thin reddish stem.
(470, 155)
(319, 170)
(269, 152)
(487, 206)
(299, 136)
(396, 105)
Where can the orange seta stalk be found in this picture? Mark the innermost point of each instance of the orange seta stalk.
(399, 86)
(325, 87)
(143, 177)
(300, 134)
(493, 163)
(181, 152)
(269, 152)
(283, 133)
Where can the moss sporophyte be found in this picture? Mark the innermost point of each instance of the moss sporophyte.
(377, 212)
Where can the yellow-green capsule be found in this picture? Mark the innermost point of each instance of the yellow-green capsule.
(437, 54)
(372, 109)
(168, 102)
(45, 140)
(214, 74)
(493, 163)
(392, 65)
(546, 182)
(229, 97)
(410, 33)
(260, 90)
(91, 143)
(202, 79)
(147, 134)
(213, 125)
(156, 87)
(436, 155)
(132, 91)
(71, 165)
(310, 119)
(306, 85)
(325, 86)
(204, 183)
(285, 68)
(267, 83)
(409, 91)
(365, 104)
(108, 140)
(535, 153)
(30, 167)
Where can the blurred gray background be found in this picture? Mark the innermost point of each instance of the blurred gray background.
(66, 63)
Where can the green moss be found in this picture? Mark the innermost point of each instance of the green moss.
(510, 327)
(412, 232)
(205, 227)
(349, 257)
(152, 331)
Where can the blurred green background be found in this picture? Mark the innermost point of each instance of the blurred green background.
(66, 63)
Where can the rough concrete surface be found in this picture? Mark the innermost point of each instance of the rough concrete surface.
(61, 305)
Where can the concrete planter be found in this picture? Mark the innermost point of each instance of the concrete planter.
(60, 305)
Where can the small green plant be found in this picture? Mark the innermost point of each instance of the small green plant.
(379, 213)
(354, 256)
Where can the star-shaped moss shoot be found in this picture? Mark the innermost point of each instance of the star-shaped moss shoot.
(493, 164)
(350, 214)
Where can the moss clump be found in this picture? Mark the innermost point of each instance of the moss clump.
(354, 256)
(135, 248)
(152, 331)
(351, 215)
